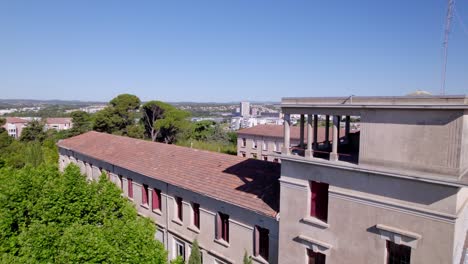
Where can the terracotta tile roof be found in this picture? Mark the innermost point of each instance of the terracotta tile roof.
(59, 120)
(276, 131)
(15, 120)
(248, 183)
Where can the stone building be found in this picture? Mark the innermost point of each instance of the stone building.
(59, 123)
(395, 193)
(14, 126)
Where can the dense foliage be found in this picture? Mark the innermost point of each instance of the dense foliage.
(50, 217)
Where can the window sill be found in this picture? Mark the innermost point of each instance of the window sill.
(315, 221)
(177, 221)
(194, 229)
(222, 242)
(144, 206)
(157, 211)
(260, 259)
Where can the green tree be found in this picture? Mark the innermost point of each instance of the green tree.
(52, 217)
(81, 123)
(195, 256)
(247, 259)
(34, 131)
(164, 122)
(178, 260)
(118, 115)
(203, 130)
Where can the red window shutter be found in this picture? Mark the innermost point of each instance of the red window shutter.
(319, 200)
(226, 228)
(155, 199)
(257, 241)
(196, 215)
(313, 198)
(144, 194)
(130, 188)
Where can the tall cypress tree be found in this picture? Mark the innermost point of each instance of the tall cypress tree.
(195, 256)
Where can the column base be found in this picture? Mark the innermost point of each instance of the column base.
(333, 156)
(285, 151)
(309, 153)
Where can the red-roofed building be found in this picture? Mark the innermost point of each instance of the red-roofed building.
(228, 203)
(14, 126)
(59, 123)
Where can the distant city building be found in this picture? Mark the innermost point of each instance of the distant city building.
(60, 123)
(245, 122)
(14, 126)
(245, 109)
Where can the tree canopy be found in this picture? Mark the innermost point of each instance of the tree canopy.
(163, 122)
(52, 217)
(34, 131)
(118, 115)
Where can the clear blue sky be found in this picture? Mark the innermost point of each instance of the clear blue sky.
(227, 50)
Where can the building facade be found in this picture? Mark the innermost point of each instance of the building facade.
(59, 123)
(14, 126)
(266, 141)
(230, 205)
(397, 194)
(245, 109)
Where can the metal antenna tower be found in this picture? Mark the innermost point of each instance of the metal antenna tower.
(448, 22)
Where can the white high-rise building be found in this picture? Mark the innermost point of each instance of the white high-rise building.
(245, 109)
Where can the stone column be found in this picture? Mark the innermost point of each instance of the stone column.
(334, 153)
(301, 132)
(315, 131)
(287, 123)
(308, 152)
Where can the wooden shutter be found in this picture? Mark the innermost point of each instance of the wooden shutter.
(144, 194)
(313, 198)
(130, 188)
(155, 199)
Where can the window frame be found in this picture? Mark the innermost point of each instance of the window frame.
(319, 258)
(319, 200)
(144, 194)
(179, 244)
(262, 242)
(130, 188)
(196, 215)
(179, 208)
(222, 227)
(156, 203)
(400, 250)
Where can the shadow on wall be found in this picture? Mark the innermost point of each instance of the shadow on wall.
(260, 179)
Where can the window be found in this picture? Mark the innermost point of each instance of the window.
(179, 249)
(274, 146)
(254, 155)
(319, 200)
(398, 254)
(265, 158)
(262, 242)
(156, 199)
(179, 209)
(222, 227)
(244, 142)
(144, 194)
(254, 144)
(315, 257)
(275, 160)
(243, 154)
(121, 182)
(130, 187)
(265, 146)
(196, 215)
